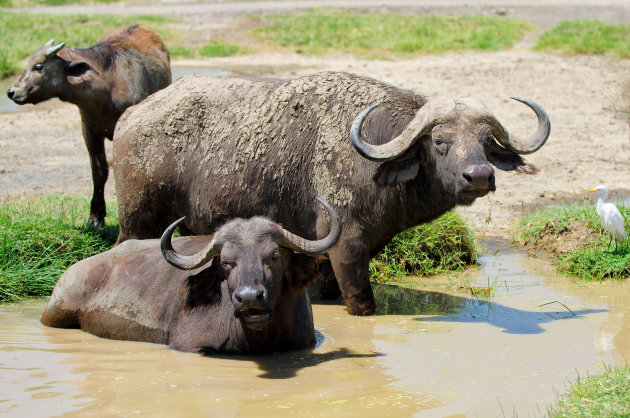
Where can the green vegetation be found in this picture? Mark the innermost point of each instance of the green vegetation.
(220, 49)
(213, 48)
(587, 37)
(76, 30)
(41, 238)
(604, 395)
(385, 35)
(574, 235)
(31, 3)
(444, 245)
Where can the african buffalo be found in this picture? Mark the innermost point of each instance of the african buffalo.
(103, 80)
(212, 148)
(243, 292)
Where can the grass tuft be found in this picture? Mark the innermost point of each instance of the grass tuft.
(574, 236)
(604, 395)
(41, 238)
(592, 37)
(446, 244)
(381, 35)
(221, 49)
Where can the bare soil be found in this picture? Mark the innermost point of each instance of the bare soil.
(587, 99)
(551, 243)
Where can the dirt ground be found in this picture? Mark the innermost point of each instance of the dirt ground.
(587, 99)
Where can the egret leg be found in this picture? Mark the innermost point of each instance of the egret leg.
(609, 242)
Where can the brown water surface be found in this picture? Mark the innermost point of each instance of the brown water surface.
(427, 353)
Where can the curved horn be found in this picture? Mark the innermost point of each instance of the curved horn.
(418, 127)
(188, 262)
(49, 43)
(534, 143)
(54, 49)
(307, 247)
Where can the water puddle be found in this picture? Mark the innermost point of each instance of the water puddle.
(7, 105)
(427, 350)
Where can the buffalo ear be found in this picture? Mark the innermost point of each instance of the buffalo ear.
(204, 287)
(405, 167)
(302, 271)
(396, 171)
(508, 161)
(79, 71)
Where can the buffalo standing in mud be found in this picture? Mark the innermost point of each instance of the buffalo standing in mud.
(103, 80)
(212, 148)
(244, 292)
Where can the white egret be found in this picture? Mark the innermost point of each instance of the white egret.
(611, 218)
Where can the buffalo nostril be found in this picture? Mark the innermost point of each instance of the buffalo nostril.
(261, 295)
(10, 93)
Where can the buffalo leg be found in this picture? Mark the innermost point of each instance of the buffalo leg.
(100, 170)
(350, 262)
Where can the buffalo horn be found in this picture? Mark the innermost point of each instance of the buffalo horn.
(54, 49)
(418, 127)
(188, 262)
(534, 143)
(301, 245)
(49, 43)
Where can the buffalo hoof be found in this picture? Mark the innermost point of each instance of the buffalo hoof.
(94, 222)
(361, 308)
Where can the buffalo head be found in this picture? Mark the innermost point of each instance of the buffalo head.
(48, 75)
(258, 260)
(461, 138)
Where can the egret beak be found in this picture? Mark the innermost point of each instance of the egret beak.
(594, 190)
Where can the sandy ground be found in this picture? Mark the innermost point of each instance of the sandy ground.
(587, 99)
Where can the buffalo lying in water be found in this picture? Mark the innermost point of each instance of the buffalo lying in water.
(244, 292)
(212, 148)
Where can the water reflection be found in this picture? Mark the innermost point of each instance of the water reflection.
(397, 300)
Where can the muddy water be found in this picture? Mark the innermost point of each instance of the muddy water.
(427, 353)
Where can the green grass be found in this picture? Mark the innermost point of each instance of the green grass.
(579, 239)
(40, 239)
(604, 395)
(591, 37)
(384, 35)
(220, 49)
(32, 3)
(446, 244)
(75, 30)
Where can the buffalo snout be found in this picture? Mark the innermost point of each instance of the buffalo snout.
(474, 182)
(250, 304)
(479, 177)
(10, 93)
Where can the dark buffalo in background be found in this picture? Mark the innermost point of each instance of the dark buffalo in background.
(102, 80)
(242, 291)
(213, 148)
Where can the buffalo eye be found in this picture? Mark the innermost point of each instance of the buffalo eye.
(441, 146)
(38, 67)
(273, 257)
(227, 264)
